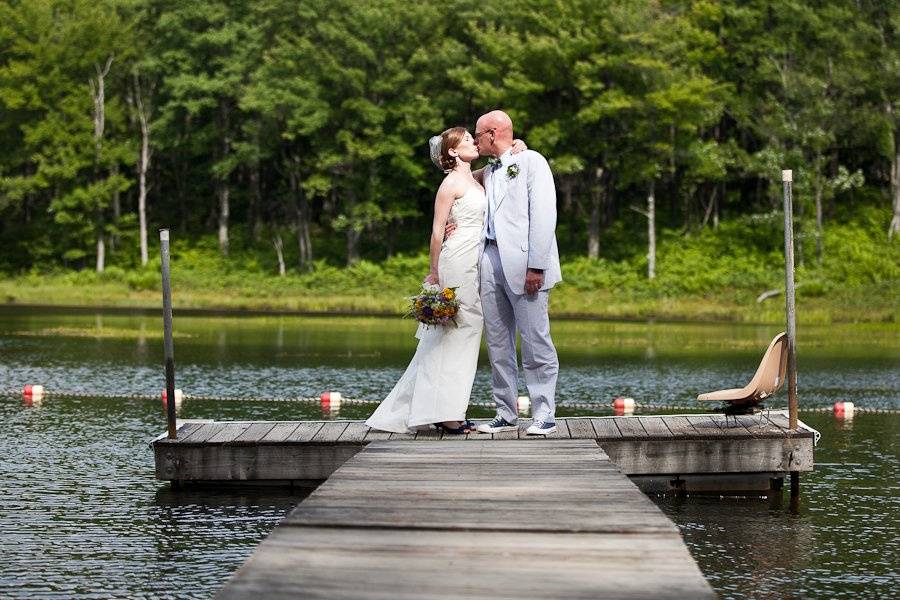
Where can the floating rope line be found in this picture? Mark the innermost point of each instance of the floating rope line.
(365, 401)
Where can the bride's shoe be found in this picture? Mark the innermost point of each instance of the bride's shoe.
(464, 428)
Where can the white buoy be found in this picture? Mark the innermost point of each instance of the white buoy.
(331, 401)
(33, 395)
(624, 403)
(524, 404)
(35, 391)
(179, 398)
(844, 410)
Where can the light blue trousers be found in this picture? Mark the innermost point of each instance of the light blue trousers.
(504, 314)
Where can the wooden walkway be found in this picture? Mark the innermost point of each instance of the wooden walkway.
(691, 453)
(506, 519)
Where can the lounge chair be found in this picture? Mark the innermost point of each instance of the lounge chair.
(768, 379)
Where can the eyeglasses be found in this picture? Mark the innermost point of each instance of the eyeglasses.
(478, 135)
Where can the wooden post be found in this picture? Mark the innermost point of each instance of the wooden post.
(787, 179)
(167, 331)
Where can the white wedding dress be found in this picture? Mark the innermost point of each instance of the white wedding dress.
(437, 383)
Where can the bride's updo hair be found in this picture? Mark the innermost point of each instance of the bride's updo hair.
(441, 145)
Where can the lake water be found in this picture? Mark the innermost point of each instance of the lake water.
(81, 514)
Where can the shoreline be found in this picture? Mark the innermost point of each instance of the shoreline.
(263, 311)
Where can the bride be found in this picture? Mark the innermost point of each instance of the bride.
(436, 386)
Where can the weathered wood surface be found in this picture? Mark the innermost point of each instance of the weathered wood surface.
(714, 426)
(508, 519)
(667, 445)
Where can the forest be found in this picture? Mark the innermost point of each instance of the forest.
(284, 142)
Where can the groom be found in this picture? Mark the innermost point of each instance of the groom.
(519, 266)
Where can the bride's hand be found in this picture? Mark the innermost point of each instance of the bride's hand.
(431, 279)
(519, 146)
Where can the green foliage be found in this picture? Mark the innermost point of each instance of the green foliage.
(306, 122)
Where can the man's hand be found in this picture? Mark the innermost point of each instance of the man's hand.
(449, 228)
(534, 279)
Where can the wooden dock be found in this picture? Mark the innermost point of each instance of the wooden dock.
(482, 519)
(661, 454)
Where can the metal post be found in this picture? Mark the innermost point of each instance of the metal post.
(167, 331)
(787, 179)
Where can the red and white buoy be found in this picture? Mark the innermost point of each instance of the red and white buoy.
(844, 410)
(32, 395)
(330, 401)
(524, 404)
(623, 405)
(179, 398)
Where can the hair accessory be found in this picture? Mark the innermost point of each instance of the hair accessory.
(434, 147)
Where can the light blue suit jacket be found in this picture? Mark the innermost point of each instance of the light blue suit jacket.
(525, 220)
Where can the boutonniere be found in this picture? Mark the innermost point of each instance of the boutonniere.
(512, 171)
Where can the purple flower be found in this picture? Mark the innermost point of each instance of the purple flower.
(427, 311)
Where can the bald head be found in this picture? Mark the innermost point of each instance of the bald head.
(494, 132)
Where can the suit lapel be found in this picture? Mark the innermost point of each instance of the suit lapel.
(501, 172)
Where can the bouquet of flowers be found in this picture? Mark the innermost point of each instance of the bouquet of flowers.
(434, 306)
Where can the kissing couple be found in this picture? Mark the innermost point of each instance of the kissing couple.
(493, 239)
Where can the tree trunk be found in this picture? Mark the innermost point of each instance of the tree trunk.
(223, 189)
(304, 242)
(710, 208)
(895, 189)
(224, 210)
(353, 234)
(301, 215)
(798, 232)
(818, 193)
(255, 201)
(721, 194)
(594, 226)
(651, 232)
(101, 252)
(117, 213)
(98, 95)
(143, 166)
(279, 252)
(596, 192)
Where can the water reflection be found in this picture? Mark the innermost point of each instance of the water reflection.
(83, 515)
(840, 540)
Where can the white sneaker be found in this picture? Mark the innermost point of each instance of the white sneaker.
(496, 426)
(541, 428)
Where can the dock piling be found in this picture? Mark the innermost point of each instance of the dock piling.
(787, 178)
(167, 332)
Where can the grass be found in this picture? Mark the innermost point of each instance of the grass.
(714, 275)
(247, 291)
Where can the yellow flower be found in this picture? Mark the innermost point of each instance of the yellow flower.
(449, 294)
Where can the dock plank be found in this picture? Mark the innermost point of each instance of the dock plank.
(330, 431)
(360, 563)
(355, 432)
(280, 432)
(429, 525)
(581, 429)
(374, 434)
(735, 457)
(306, 432)
(194, 433)
(655, 427)
(254, 433)
(705, 425)
(202, 434)
(680, 426)
(228, 433)
(606, 428)
(630, 427)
